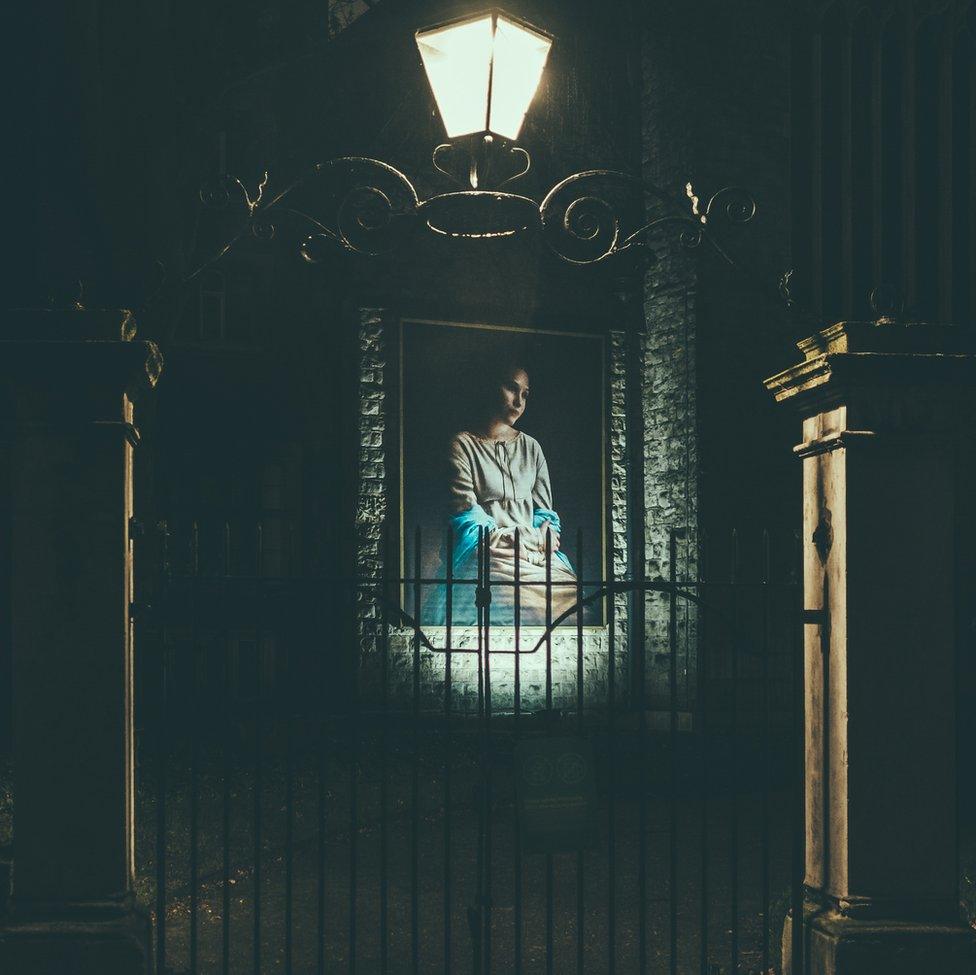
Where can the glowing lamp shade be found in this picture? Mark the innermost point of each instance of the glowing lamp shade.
(484, 72)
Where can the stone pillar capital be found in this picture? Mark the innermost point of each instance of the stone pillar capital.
(891, 378)
(73, 363)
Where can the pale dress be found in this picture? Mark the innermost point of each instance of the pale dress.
(510, 480)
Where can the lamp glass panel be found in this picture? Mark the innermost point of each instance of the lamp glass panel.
(519, 58)
(457, 59)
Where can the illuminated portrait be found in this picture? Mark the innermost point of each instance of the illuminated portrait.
(502, 456)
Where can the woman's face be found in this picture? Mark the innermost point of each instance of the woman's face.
(512, 395)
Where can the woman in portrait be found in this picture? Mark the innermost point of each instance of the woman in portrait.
(499, 483)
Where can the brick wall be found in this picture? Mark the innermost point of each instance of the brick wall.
(715, 82)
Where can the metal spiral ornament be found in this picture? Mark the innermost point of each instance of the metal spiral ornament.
(365, 211)
(365, 206)
(375, 204)
(736, 203)
(690, 233)
(581, 218)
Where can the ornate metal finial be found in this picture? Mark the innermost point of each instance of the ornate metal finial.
(887, 303)
(786, 285)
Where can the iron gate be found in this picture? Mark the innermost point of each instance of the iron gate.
(306, 806)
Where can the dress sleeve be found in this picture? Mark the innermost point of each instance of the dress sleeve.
(542, 491)
(462, 496)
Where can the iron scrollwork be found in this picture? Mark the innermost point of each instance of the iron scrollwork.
(368, 207)
(583, 216)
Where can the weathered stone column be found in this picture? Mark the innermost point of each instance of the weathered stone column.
(67, 417)
(886, 409)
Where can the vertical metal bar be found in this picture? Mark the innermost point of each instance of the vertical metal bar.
(517, 839)
(548, 619)
(161, 788)
(825, 718)
(549, 862)
(225, 817)
(641, 672)
(448, 742)
(384, 637)
(488, 765)
(799, 763)
(611, 769)
(194, 811)
(322, 610)
(580, 865)
(258, 762)
(225, 798)
(734, 762)
(767, 767)
(289, 812)
(225, 785)
(636, 559)
(194, 761)
(322, 776)
(415, 778)
(353, 753)
(476, 923)
(673, 748)
(703, 692)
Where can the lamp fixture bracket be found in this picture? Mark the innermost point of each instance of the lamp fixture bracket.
(368, 207)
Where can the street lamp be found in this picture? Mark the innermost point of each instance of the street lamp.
(484, 72)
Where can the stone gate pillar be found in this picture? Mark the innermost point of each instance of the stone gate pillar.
(886, 411)
(66, 416)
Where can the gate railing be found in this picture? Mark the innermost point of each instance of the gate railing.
(317, 794)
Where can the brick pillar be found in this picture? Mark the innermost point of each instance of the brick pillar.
(68, 419)
(887, 424)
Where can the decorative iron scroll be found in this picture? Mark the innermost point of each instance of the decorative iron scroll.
(365, 206)
(361, 205)
(581, 215)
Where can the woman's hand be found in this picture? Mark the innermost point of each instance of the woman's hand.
(530, 539)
